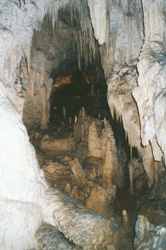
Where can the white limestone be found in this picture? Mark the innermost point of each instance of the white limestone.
(150, 94)
(98, 17)
(120, 100)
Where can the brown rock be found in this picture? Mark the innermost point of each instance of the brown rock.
(98, 200)
(68, 188)
(78, 172)
(57, 145)
(94, 142)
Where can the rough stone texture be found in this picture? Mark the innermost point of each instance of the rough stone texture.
(149, 237)
(55, 171)
(27, 198)
(150, 94)
(49, 238)
(100, 199)
(112, 171)
(140, 179)
(123, 80)
(78, 172)
(56, 145)
(124, 32)
(94, 141)
(76, 214)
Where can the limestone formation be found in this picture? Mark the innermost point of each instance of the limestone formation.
(109, 167)
(120, 86)
(148, 236)
(81, 128)
(48, 237)
(131, 35)
(27, 199)
(94, 142)
(142, 227)
(125, 218)
(112, 174)
(149, 164)
(44, 119)
(99, 200)
(78, 172)
(68, 188)
(56, 145)
(131, 173)
(150, 93)
(55, 171)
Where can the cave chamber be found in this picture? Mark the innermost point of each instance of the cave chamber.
(81, 106)
(78, 86)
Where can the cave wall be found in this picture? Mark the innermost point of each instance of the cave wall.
(129, 33)
(136, 39)
(133, 56)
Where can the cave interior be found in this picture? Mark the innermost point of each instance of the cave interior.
(81, 143)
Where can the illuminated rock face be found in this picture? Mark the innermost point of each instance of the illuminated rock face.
(150, 93)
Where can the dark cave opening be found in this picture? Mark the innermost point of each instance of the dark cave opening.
(79, 89)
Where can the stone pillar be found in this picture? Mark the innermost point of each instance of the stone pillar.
(44, 119)
(108, 168)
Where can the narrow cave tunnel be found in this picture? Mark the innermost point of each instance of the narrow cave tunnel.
(69, 124)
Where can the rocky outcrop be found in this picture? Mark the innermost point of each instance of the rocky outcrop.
(56, 145)
(78, 172)
(148, 236)
(100, 199)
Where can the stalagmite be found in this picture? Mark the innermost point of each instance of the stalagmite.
(94, 142)
(109, 168)
(127, 39)
(75, 119)
(83, 115)
(131, 172)
(125, 218)
(64, 113)
(83, 132)
(44, 119)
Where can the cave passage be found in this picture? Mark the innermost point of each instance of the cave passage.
(79, 89)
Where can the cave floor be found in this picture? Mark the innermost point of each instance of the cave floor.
(69, 168)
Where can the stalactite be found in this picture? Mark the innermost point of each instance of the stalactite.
(149, 164)
(131, 171)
